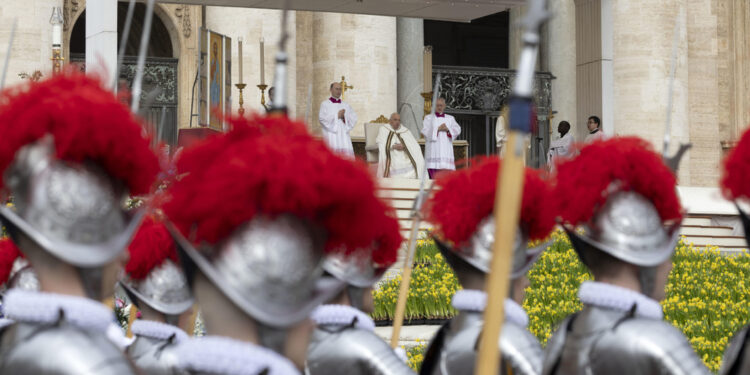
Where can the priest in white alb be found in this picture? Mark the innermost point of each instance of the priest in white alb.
(399, 155)
(439, 131)
(337, 119)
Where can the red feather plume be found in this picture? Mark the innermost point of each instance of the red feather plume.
(466, 197)
(272, 166)
(735, 181)
(8, 255)
(87, 123)
(151, 246)
(390, 239)
(583, 183)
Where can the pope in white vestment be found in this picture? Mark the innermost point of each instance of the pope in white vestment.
(337, 119)
(439, 131)
(399, 155)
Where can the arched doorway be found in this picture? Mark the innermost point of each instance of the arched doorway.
(160, 70)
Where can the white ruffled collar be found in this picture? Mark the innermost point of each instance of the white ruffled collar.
(41, 307)
(342, 315)
(222, 355)
(619, 298)
(476, 300)
(401, 129)
(158, 330)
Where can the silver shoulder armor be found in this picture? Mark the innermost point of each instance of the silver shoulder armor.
(154, 357)
(737, 355)
(602, 341)
(60, 350)
(338, 350)
(521, 352)
(653, 347)
(555, 344)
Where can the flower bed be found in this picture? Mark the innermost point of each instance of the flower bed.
(707, 294)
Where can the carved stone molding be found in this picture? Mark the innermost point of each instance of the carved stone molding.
(70, 7)
(183, 13)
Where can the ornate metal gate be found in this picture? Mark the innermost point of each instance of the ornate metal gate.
(476, 95)
(158, 72)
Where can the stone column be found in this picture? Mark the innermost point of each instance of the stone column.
(101, 36)
(514, 35)
(643, 37)
(362, 48)
(410, 43)
(739, 56)
(594, 53)
(560, 59)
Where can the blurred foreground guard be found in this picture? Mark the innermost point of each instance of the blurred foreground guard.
(461, 211)
(156, 284)
(15, 272)
(344, 341)
(624, 198)
(71, 153)
(252, 244)
(735, 185)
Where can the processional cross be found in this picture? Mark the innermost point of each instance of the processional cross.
(344, 87)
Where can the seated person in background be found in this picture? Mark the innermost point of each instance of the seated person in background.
(399, 155)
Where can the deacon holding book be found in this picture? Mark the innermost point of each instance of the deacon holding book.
(440, 130)
(399, 155)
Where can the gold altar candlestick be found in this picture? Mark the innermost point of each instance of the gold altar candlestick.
(427, 102)
(241, 86)
(262, 88)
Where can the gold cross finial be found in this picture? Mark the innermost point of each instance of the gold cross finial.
(344, 87)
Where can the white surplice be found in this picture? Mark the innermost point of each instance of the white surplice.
(593, 137)
(335, 130)
(560, 149)
(439, 148)
(408, 163)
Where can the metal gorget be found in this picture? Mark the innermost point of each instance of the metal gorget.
(521, 353)
(610, 341)
(154, 356)
(342, 349)
(60, 349)
(736, 359)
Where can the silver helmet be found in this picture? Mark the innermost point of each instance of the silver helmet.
(356, 269)
(478, 251)
(165, 289)
(629, 228)
(269, 268)
(72, 211)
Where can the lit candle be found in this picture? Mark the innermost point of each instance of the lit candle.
(427, 68)
(57, 24)
(262, 63)
(239, 54)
